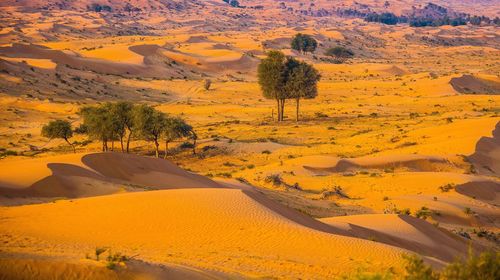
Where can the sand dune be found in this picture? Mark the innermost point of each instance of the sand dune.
(470, 84)
(152, 172)
(82, 63)
(488, 191)
(487, 153)
(41, 269)
(409, 162)
(196, 227)
(84, 175)
(403, 231)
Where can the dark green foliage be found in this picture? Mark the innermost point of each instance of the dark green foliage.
(385, 18)
(58, 129)
(99, 124)
(339, 53)
(416, 269)
(149, 124)
(175, 128)
(282, 78)
(304, 43)
(117, 121)
(301, 81)
(485, 266)
(271, 76)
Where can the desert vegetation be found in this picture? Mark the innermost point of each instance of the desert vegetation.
(283, 78)
(123, 122)
(249, 139)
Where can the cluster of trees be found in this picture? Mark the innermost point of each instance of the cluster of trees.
(385, 18)
(304, 43)
(422, 21)
(282, 78)
(233, 3)
(122, 122)
(99, 8)
(339, 53)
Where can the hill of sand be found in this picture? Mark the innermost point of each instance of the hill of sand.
(485, 158)
(206, 228)
(402, 231)
(83, 175)
(409, 162)
(475, 85)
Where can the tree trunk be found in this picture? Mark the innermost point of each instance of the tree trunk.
(297, 112)
(72, 146)
(278, 116)
(283, 110)
(157, 149)
(128, 140)
(166, 149)
(112, 145)
(194, 145)
(121, 143)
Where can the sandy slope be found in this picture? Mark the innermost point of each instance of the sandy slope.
(403, 231)
(211, 228)
(84, 175)
(487, 153)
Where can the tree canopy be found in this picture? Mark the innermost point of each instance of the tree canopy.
(304, 43)
(58, 129)
(110, 122)
(282, 78)
(339, 53)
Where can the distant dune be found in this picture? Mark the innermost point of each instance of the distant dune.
(470, 84)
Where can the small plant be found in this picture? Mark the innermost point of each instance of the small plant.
(99, 251)
(206, 84)
(274, 179)
(335, 191)
(468, 211)
(423, 213)
(447, 187)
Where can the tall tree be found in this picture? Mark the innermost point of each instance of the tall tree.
(121, 113)
(99, 123)
(149, 124)
(59, 129)
(301, 81)
(271, 76)
(175, 128)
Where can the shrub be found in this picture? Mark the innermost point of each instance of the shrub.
(447, 187)
(423, 213)
(274, 179)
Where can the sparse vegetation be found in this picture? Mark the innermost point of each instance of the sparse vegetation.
(304, 43)
(59, 129)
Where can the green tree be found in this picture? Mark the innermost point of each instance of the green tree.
(175, 128)
(271, 76)
(121, 113)
(99, 123)
(340, 53)
(486, 266)
(304, 43)
(301, 81)
(149, 124)
(58, 129)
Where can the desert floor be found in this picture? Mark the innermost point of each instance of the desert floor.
(394, 156)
